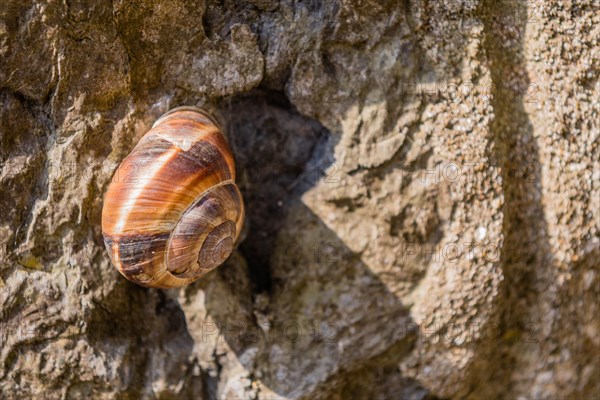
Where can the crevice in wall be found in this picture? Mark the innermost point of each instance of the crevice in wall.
(273, 145)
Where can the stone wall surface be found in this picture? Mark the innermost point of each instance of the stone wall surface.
(422, 183)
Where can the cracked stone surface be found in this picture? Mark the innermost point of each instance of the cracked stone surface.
(422, 182)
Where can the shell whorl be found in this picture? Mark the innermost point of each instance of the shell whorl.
(173, 211)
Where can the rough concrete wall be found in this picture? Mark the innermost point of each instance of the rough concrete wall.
(422, 181)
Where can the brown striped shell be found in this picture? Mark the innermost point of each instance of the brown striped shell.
(173, 211)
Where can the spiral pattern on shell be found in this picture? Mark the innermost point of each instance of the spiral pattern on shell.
(173, 211)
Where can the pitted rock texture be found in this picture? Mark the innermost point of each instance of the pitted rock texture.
(422, 182)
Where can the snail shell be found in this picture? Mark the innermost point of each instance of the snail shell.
(173, 211)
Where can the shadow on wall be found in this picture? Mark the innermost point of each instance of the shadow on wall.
(321, 316)
(526, 258)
